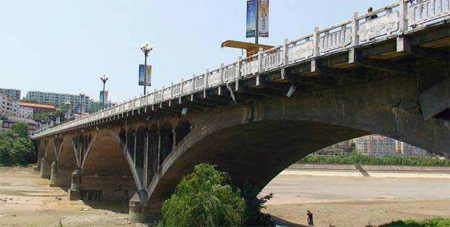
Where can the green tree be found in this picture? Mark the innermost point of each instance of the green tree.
(5, 148)
(204, 198)
(22, 151)
(21, 129)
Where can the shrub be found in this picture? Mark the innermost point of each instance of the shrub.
(204, 198)
(435, 222)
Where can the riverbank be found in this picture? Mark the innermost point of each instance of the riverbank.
(27, 200)
(368, 171)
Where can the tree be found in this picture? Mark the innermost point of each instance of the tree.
(21, 129)
(5, 148)
(22, 151)
(204, 198)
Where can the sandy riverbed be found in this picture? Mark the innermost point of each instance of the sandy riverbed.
(27, 200)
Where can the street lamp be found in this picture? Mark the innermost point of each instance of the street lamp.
(81, 102)
(146, 48)
(104, 79)
(67, 103)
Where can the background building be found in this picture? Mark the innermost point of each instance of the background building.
(13, 93)
(410, 150)
(58, 99)
(11, 108)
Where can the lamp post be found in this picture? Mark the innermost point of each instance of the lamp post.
(104, 79)
(67, 103)
(81, 102)
(146, 48)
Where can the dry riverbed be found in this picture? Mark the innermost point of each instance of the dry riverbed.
(27, 200)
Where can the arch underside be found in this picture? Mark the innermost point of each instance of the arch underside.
(107, 169)
(255, 152)
(67, 163)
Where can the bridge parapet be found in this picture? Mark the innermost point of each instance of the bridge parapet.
(393, 20)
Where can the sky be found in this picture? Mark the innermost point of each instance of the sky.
(65, 46)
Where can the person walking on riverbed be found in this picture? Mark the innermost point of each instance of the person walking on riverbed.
(310, 218)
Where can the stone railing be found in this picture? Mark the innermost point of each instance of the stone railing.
(378, 25)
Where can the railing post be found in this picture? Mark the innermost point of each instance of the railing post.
(285, 52)
(403, 16)
(238, 73)
(193, 83)
(221, 73)
(182, 87)
(316, 42)
(260, 60)
(162, 94)
(355, 29)
(171, 90)
(205, 84)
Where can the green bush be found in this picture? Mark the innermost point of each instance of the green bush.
(435, 222)
(204, 198)
(351, 159)
(22, 151)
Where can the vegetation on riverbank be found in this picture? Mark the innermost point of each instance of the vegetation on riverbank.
(435, 222)
(15, 146)
(351, 159)
(206, 197)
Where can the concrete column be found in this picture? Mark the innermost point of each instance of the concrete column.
(145, 167)
(42, 167)
(139, 211)
(54, 174)
(174, 133)
(75, 185)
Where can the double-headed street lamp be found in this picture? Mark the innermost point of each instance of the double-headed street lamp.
(104, 79)
(146, 48)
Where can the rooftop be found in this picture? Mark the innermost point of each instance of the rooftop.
(37, 105)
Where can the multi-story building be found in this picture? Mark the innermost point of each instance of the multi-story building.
(375, 145)
(13, 93)
(410, 150)
(59, 99)
(10, 107)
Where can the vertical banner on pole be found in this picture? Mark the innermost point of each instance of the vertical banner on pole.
(251, 18)
(263, 23)
(142, 70)
(104, 96)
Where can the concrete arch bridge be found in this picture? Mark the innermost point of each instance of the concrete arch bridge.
(387, 75)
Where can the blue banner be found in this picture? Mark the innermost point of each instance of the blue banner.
(251, 18)
(142, 75)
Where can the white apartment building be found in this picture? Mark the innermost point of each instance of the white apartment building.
(59, 99)
(11, 108)
(13, 93)
(375, 145)
(8, 107)
(410, 150)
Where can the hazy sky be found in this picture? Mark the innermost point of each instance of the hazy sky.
(66, 45)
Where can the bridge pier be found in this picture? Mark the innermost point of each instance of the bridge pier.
(54, 175)
(74, 191)
(139, 209)
(44, 168)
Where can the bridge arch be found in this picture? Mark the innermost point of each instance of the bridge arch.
(67, 162)
(105, 167)
(255, 142)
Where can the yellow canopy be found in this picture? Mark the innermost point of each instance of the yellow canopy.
(251, 48)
